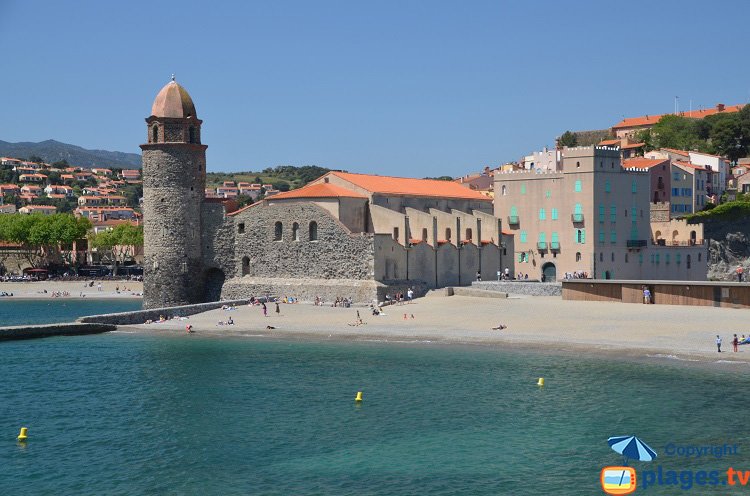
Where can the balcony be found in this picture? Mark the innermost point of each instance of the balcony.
(541, 245)
(636, 243)
(513, 220)
(554, 245)
(576, 218)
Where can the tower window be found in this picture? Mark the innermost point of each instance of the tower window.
(241, 228)
(192, 134)
(295, 231)
(313, 231)
(155, 134)
(245, 266)
(277, 231)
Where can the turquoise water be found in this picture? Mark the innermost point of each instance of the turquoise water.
(132, 414)
(53, 310)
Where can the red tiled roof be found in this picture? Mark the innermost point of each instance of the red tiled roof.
(650, 120)
(642, 163)
(609, 142)
(318, 190)
(690, 165)
(632, 145)
(677, 152)
(410, 186)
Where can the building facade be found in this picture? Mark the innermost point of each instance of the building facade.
(592, 218)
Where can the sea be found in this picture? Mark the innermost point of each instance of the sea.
(15, 311)
(128, 414)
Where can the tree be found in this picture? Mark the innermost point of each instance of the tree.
(44, 237)
(645, 136)
(727, 137)
(60, 164)
(674, 131)
(36, 159)
(118, 244)
(568, 138)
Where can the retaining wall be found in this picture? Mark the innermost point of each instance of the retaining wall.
(530, 288)
(141, 316)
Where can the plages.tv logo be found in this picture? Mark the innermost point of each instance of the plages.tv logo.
(622, 479)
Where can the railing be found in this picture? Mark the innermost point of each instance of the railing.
(542, 245)
(576, 218)
(513, 220)
(636, 243)
(554, 245)
(664, 242)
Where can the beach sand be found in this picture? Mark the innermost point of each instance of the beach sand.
(539, 323)
(75, 288)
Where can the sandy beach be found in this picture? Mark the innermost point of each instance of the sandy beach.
(77, 289)
(540, 323)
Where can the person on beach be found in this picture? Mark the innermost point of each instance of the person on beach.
(718, 343)
(479, 276)
(410, 295)
(265, 310)
(278, 310)
(646, 295)
(188, 329)
(500, 327)
(739, 271)
(735, 343)
(230, 321)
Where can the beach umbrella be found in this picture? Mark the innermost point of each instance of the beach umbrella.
(630, 447)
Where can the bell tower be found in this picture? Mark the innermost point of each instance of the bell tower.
(174, 181)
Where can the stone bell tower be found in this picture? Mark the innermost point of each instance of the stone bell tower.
(174, 180)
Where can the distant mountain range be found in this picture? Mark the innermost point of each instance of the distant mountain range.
(53, 151)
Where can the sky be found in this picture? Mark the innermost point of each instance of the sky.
(406, 88)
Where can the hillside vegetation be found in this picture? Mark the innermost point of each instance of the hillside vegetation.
(53, 151)
(283, 177)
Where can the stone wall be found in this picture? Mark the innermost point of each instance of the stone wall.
(173, 189)
(659, 212)
(306, 289)
(141, 316)
(530, 288)
(48, 330)
(218, 240)
(335, 254)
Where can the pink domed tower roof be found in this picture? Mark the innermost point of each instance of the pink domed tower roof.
(173, 101)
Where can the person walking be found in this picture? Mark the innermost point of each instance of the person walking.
(278, 310)
(718, 343)
(265, 310)
(735, 342)
(739, 271)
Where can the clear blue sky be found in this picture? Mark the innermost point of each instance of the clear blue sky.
(411, 88)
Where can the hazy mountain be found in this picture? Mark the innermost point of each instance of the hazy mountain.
(52, 151)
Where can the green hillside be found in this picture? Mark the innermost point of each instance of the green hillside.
(283, 177)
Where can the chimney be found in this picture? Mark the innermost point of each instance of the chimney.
(720, 107)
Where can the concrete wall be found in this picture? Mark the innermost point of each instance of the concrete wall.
(49, 330)
(390, 258)
(447, 265)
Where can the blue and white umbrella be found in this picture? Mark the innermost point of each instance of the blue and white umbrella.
(630, 447)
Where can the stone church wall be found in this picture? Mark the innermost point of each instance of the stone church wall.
(335, 254)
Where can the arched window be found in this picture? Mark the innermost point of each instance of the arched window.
(424, 234)
(395, 233)
(468, 234)
(295, 232)
(313, 231)
(578, 256)
(504, 190)
(447, 233)
(155, 134)
(277, 231)
(192, 134)
(245, 266)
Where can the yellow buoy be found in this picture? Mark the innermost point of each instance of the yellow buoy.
(359, 396)
(540, 382)
(22, 436)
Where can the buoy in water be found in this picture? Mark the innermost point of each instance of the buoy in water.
(359, 396)
(540, 382)
(22, 435)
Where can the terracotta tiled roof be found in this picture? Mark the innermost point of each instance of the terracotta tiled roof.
(410, 187)
(632, 145)
(689, 165)
(610, 142)
(650, 120)
(677, 152)
(646, 120)
(642, 163)
(318, 190)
